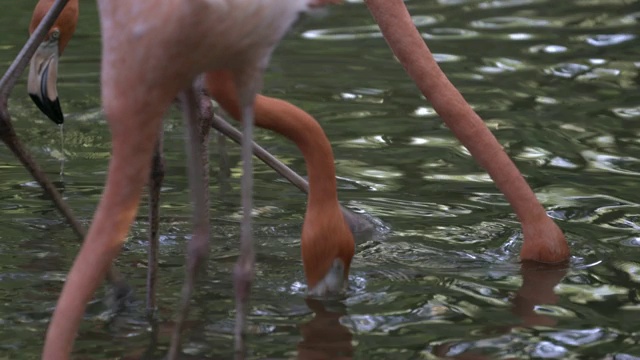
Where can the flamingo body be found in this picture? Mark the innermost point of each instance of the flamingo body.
(43, 68)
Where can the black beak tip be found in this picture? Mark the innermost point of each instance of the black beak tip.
(50, 108)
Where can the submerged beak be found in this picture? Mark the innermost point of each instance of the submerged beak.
(43, 75)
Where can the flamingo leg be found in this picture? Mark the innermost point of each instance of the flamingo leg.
(248, 82)
(155, 184)
(10, 138)
(198, 247)
(205, 120)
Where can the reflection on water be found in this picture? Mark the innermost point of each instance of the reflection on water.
(557, 83)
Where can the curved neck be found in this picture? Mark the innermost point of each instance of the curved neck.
(414, 55)
(65, 23)
(296, 125)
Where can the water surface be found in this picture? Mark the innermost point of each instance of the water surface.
(557, 83)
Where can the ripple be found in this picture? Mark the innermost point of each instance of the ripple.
(600, 74)
(482, 178)
(381, 174)
(582, 337)
(504, 22)
(567, 70)
(627, 113)
(546, 350)
(455, 2)
(364, 95)
(629, 19)
(432, 141)
(446, 58)
(631, 269)
(449, 34)
(608, 40)
(544, 157)
(633, 242)
(501, 65)
(501, 4)
(424, 111)
(611, 163)
(361, 32)
(517, 36)
(374, 141)
(416, 208)
(548, 49)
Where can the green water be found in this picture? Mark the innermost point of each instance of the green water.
(556, 81)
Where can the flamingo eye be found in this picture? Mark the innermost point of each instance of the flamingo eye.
(55, 34)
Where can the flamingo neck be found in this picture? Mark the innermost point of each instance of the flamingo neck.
(65, 23)
(414, 55)
(299, 127)
(296, 125)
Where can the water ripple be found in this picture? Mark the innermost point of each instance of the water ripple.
(608, 39)
(504, 22)
(627, 113)
(625, 165)
(360, 32)
(567, 70)
(449, 34)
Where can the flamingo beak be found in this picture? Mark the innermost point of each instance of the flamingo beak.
(43, 76)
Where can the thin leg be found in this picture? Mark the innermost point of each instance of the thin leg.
(155, 184)
(205, 119)
(248, 84)
(198, 247)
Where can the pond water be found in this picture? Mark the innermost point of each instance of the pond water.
(556, 81)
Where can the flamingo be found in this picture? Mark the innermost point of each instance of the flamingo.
(144, 66)
(543, 240)
(43, 68)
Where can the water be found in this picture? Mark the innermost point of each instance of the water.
(557, 82)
